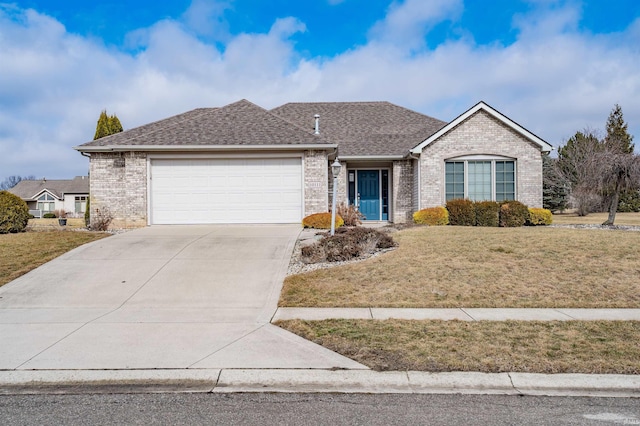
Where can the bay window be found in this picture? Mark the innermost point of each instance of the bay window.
(480, 178)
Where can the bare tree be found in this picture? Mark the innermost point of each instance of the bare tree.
(12, 181)
(617, 170)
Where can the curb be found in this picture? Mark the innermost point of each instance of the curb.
(315, 381)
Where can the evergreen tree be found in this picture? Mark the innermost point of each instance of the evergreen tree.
(114, 125)
(555, 193)
(617, 131)
(107, 125)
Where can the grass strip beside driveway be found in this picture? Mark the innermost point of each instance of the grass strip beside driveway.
(452, 267)
(22, 252)
(589, 347)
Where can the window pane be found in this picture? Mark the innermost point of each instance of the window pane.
(454, 180)
(505, 180)
(479, 174)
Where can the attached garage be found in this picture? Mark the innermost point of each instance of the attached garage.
(226, 190)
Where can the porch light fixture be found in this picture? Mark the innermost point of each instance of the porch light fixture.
(335, 171)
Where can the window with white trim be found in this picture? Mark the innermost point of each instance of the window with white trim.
(81, 204)
(46, 203)
(480, 179)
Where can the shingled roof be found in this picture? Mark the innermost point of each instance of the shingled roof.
(29, 189)
(240, 124)
(364, 128)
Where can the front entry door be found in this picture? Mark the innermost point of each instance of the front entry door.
(369, 193)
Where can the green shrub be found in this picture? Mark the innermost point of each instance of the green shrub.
(346, 244)
(321, 221)
(49, 216)
(14, 213)
(539, 217)
(629, 201)
(513, 214)
(432, 216)
(87, 213)
(487, 213)
(461, 212)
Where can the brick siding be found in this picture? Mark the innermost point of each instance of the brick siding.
(119, 188)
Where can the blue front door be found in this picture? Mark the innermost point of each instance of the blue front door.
(369, 193)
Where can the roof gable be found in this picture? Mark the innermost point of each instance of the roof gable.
(481, 106)
(240, 124)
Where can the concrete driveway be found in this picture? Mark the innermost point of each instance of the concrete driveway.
(159, 297)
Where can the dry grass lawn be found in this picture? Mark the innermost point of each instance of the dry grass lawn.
(52, 224)
(529, 267)
(22, 252)
(627, 219)
(602, 347)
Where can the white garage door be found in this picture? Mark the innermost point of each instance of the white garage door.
(226, 191)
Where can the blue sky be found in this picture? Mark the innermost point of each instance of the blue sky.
(553, 66)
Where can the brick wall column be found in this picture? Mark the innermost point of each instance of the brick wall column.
(402, 191)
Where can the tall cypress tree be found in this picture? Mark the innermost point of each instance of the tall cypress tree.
(102, 128)
(114, 125)
(107, 125)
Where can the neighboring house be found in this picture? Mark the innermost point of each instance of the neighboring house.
(46, 196)
(245, 164)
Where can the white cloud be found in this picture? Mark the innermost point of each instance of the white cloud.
(407, 23)
(54, 84)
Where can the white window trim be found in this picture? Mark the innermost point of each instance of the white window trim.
(493, 158)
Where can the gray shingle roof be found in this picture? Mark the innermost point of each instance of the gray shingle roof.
(28, 189)
(239, 123)
(364, 128)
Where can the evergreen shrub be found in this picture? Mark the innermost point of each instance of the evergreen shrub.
(461, 212)
(487, 213)
(321, 221)
(539, 217)
(14, 213)
(513, 214)
(432, 216)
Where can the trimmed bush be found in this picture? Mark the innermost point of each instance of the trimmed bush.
(349, 214)
(539, 217)
(346, 244)
(513, 214)
(49, 216)
(321, 221)
(487, 213)
(461, 212)
(14, 213)
(87, 213)
(432, 216)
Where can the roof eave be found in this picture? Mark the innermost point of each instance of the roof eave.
(175, 148)
(371, 157)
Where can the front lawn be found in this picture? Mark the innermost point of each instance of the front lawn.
(22, 252)
(591, 347)
(445, 267)
(624, 219)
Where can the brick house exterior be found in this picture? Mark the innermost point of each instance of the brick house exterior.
(242, 163)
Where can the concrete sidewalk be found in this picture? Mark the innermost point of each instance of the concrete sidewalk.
(463, 314)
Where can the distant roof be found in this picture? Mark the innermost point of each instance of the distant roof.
(238, 124)
(364, 128)
(30, 189)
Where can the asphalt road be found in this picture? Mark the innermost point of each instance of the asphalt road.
(312, 409)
